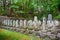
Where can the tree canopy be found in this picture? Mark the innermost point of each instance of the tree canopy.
(30, 8)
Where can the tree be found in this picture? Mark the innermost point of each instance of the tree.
(4, 3)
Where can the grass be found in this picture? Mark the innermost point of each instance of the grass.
(10, 35)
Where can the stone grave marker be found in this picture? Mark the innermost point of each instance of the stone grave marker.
(34, 24)
(56, 22)
(17, 25)
(50, 21)
(53, 29)
(25, 23)
(21, 23)
(44, 24)
(30, 23)
(10, 23)
(50, 17)
(14, 23)
(35, 18)
(39, 24)
(6, 22)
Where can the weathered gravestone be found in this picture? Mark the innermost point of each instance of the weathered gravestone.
(34, 24)
(30, 23)
(14, 23)
(50, 23)
(17, 25)
(10, 23)
(50, 17)
(56, 22)
(25, 23)
(39, 24)
(44, 24)
(35, 18)
(6, 22)
(21, 23)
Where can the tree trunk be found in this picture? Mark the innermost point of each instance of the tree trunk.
(8, 9)
(4, 3)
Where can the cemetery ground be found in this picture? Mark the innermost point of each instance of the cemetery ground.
(41, 30)
(10, 35)
(29, 19)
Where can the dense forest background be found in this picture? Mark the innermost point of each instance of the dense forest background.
(29, 8)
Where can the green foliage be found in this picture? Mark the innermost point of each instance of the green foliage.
(35, 7)
(2, 11)
(57, 17)
(10, 35)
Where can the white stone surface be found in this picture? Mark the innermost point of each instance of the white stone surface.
(50, 21)
(39, 22)
(35, 18)
(34, 24)
(30, 23)
(14, 23)
(17, 25)
(25, 23)
(6, 22)
(50, 17)
(50, 24)
(44, 24)
(53, 26)
(10, 23)
(56, 22)
(21, 23)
